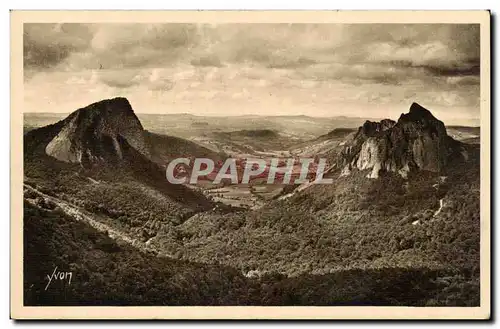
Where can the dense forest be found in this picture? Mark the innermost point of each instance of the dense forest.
(113, 273)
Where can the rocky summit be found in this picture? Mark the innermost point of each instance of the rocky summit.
(97, 132)
(417, 141)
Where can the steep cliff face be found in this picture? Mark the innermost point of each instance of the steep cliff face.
(417, 141)
(95, 133)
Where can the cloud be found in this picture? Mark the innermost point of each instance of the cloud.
(445, 49)
(46, 45)
(159, 80)
(463, 80)
(140, 45)
(441, 50)
(156, 79)
(284, 62)
(127, 37)
(111, 46)
(207, 61)
(119, 79)
(365, 63)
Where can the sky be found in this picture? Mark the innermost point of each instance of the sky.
(363, 70)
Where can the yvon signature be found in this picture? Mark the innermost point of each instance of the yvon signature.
(61, 276)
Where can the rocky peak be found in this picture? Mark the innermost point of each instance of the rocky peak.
(371, 128)
(417, 141)
(417, 110)
(96, 132)
(419, 118)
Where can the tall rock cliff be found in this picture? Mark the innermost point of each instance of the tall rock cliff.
(417, 141)
(96, 133)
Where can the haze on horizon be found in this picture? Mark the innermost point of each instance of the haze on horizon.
(320, 70)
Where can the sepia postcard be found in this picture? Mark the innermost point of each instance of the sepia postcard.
(250, 165)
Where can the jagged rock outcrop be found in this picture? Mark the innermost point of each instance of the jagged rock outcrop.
(417, 141)
(97, 132)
